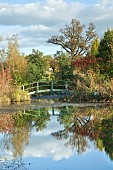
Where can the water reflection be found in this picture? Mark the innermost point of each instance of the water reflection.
(81, 124)
(16, 128)
(57, 133)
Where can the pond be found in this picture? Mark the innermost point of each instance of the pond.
(56, 136)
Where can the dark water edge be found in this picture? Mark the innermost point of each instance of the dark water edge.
(36, 103)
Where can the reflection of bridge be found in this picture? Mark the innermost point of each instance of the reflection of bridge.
(50, 86)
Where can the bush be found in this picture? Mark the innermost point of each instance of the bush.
(18, 95)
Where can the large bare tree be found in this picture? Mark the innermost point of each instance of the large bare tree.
(74, 40)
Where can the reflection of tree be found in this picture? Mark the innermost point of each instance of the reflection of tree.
(81, 124)
(6, 122)
(15, 137)
(106, 136)
(38, 118)
(74, 123)
(17, 127)
(19, 138)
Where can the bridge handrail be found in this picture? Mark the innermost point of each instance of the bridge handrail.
(49, 85)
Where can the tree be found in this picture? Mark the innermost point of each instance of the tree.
(5, 75)
(36, 66)
(16, 62)
(65, 71)
(95, 47)
(49, 63)
(105, 53)
(2, 59)
(72, 39)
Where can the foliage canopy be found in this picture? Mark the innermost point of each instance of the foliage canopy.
(73, 39)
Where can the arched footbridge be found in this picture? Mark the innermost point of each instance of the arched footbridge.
(48, 86)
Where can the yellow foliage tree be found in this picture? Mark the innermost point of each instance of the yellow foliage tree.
(16, 61)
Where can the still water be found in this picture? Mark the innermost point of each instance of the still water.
(56, 137)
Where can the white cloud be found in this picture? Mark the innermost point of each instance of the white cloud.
(48, 13)
(36, 22)
(52, 148)
(106, 2)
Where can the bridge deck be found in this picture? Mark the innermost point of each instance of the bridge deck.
(47, 90)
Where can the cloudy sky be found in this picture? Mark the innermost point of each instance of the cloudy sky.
(35, 21)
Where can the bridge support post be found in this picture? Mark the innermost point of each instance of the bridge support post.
(37, 86)
(51, 85)
(23, 88)
(53, 111)
(66, 86)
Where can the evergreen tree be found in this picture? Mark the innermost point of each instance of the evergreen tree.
(105, 54)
